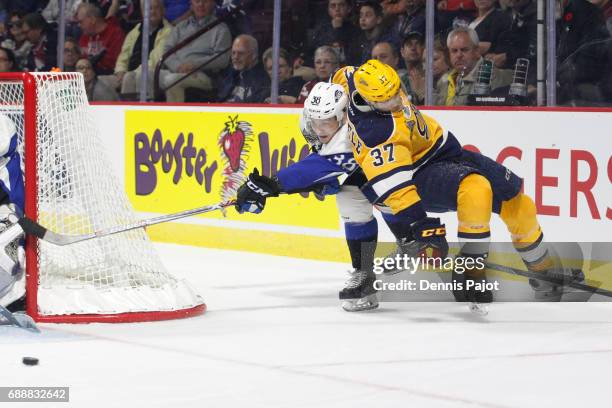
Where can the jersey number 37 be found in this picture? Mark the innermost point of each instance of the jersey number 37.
(382, 154)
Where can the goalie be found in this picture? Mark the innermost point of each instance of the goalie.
(12, 254)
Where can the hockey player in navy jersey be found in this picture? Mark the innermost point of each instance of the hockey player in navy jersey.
(415, 166)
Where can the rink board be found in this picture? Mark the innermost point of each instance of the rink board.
(564, 157)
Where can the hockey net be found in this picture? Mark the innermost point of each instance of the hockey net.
(71, 189)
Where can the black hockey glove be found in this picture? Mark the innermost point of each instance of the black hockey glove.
(251, 196)
(428, 240)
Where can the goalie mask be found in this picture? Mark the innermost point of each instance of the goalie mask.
(324, 112)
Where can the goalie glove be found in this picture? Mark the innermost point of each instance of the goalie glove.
(251, 196)
(427, 240)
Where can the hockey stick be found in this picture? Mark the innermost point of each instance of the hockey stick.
(575, 285)
(34, 228)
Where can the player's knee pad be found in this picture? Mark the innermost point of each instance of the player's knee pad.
(353, 206)
(474, 205)
(519, 215)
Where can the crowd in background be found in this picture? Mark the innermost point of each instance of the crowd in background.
(232, 62)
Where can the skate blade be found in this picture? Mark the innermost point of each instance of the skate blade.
(481, 309)
(358, 305)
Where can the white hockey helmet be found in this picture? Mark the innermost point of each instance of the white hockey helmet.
(324, 110)
(326, 100)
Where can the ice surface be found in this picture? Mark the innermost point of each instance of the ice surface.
(275, 336)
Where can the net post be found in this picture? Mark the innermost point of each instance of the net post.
(31, 188)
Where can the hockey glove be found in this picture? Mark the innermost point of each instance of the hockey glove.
(332, 187)
(428, 240)
(251, 196)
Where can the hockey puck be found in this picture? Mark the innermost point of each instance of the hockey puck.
(30, 361)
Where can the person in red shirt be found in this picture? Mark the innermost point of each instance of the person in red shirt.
(101, 40)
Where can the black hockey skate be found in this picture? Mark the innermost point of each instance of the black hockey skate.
(470, 279)
(550, 288)
(469, 288)
(405, 249)
(359, 293)
(391, 268)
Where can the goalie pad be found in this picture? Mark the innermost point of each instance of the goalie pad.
(12, 257)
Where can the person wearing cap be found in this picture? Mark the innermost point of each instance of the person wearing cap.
(413, 77)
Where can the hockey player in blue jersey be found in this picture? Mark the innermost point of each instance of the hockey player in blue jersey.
(324, 126)
(12, 254)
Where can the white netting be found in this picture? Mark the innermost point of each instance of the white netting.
(77, 194)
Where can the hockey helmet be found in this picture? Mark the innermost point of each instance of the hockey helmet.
(376, 81)
(325, 108)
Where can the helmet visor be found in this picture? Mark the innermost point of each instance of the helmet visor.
(392, 104)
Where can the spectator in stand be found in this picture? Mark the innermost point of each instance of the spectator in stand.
(7, 60)
(326, 62)
(247, 80)
(289, 86)
(336, 29)
(125, 12)
(101, 39)
(465, 59)
(52, 11)
(410, 16)
(128, 67)
(413, 77)
(606, 8)
(109, 8)
(372, 32)
(489, 24)
(17, 41)
(194, 56)
(240, 22)
(23, 6)
(454, 13)
(441, 61)
(384, 52)
(440, 66)
(582, 54)
(177, 10)
(72, 53)
(96, 90)
(301, 70)
(43, 37)
(520, 40)
(51, 14)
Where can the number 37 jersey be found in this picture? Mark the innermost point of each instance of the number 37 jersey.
(392, 147)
